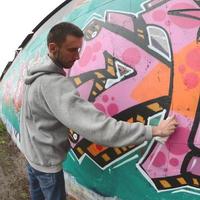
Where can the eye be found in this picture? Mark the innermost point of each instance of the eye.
(74, 50)
(79, 50)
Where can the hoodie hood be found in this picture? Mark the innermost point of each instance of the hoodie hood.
(47, 67)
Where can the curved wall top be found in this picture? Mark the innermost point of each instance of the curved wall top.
(139, 62)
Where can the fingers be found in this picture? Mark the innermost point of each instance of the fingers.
(169, 129)
(173, 123)
(172, 129)
(166, 127)
(172, 119)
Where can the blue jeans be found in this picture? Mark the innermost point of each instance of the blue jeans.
(46, 186)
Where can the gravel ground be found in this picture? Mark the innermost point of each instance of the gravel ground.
(13, 178)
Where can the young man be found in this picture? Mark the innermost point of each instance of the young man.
(51, 105)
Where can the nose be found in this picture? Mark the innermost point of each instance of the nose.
(77, 56)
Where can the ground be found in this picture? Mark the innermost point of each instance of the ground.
(13, 178)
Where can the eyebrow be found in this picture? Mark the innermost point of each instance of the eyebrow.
(74, 48)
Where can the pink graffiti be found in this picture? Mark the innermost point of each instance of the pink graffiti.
(180, 136)
(175, 34)
(194, 166)
(112, 109)
(167, 160)
(191, 80)
(193, 59)
(107, 107)
(181, 68)
(174, 162)
(131, 56)
(177, 27)
(86, 56)
(159, 15)
(100, 107)
(182, 22)
(159, 160)
(105, 98)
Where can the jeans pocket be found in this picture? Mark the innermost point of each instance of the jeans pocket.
(46, 180)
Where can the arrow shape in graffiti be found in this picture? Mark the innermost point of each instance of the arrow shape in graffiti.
(114, 72)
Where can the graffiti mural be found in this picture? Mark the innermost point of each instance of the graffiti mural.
(177, 159)
(140, 62)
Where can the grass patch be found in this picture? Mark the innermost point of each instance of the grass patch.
(5, 151)
(3, 131)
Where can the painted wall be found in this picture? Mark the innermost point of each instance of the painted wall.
(140, 62)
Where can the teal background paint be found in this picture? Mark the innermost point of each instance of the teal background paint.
(124, 182)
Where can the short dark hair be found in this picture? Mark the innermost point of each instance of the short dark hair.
(58, 33)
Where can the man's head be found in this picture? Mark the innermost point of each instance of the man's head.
(64, 42)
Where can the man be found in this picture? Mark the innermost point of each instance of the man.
(52, 104)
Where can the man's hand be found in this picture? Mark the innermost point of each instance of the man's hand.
(165, 128)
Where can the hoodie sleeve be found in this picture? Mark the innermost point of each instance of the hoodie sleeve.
(70, 109)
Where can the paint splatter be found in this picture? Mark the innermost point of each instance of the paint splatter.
(159, 160)
(174, 162)
(131, 56)
(191, 80)
(112, 109)
(100, 107)
(193, 59)
(181, 69)
(181, 135)
(105, 98)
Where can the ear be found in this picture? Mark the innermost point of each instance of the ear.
(52, 47)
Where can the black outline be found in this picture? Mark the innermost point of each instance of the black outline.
(179, 12)
(92, 76)
(194, 150)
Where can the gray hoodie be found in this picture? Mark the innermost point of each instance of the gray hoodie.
(51, 105)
